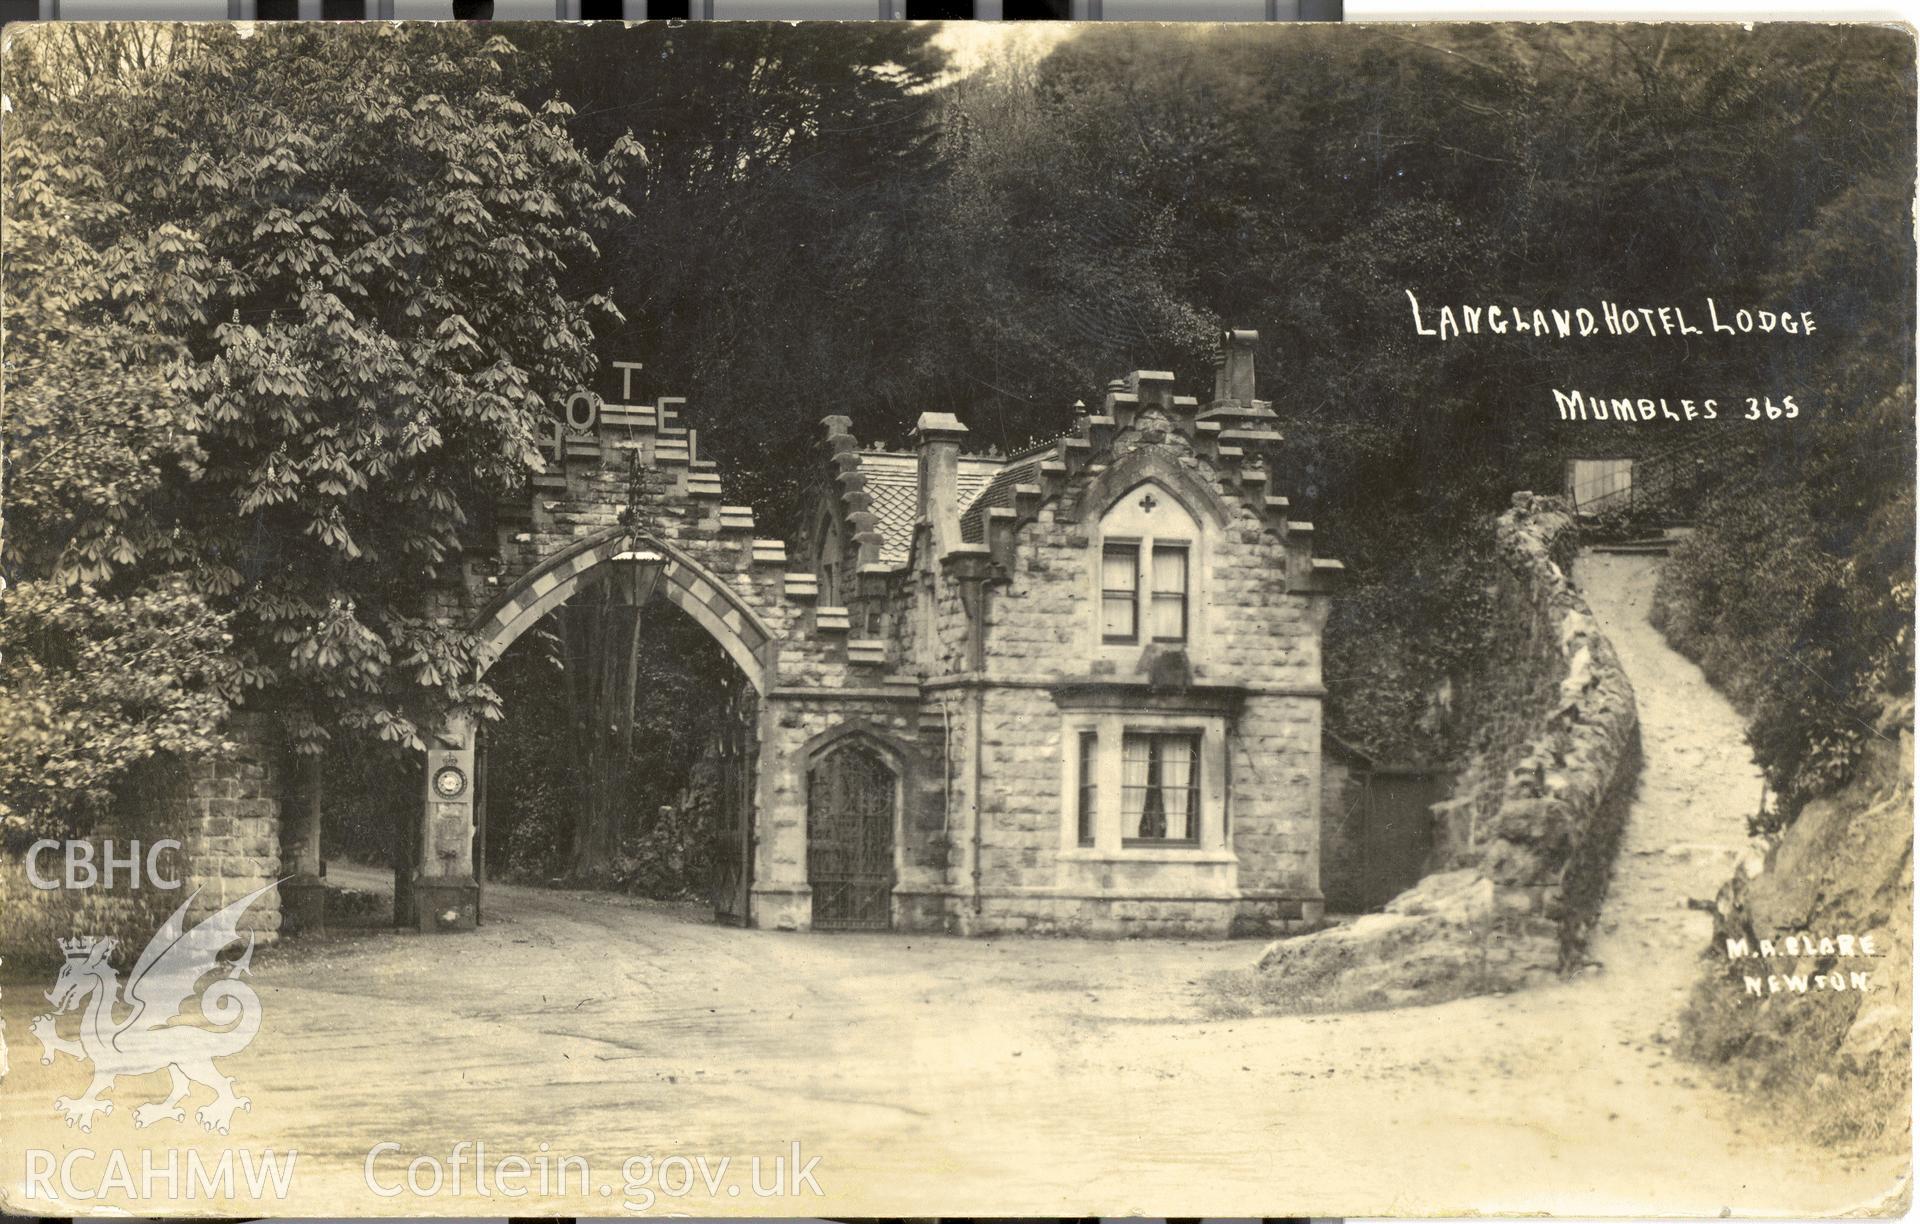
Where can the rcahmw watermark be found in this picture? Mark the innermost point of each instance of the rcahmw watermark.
(157, 1175)
(643, 1180)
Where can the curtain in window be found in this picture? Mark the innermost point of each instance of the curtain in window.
(1136, 766)
(1159, 796)
(1170, 594)
(1176, 786)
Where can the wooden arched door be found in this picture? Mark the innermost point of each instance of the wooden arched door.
(852, 794)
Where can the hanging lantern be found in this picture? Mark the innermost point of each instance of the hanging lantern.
(636, 575)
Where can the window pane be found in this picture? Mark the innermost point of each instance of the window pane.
(1170, 571)
(1133, 784)
(1160, 798)
(1170, 618)
(1176, 777)
(1120, 579)
(1089, 785)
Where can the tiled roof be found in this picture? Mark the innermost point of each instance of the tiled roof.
(893, 482)
(976, 473)
(973, 520)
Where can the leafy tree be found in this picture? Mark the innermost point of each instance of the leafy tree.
(355, 256)
(101, 666)
(1112, 204)
(772, 267)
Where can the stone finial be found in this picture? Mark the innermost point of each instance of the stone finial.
(1154, 387)
(939, 425)
(1233, 361)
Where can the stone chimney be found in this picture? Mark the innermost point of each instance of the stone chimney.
(938, 437)
(1233, 381)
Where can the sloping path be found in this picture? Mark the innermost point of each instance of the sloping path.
(1697, 787)
(936, 1076)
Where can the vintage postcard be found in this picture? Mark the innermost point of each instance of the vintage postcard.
(915, 619)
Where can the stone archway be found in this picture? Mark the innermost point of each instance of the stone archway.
(447, 891)
(684, 582)
(629, 476)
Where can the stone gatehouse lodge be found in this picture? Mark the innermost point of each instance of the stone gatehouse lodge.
(1075, 689)
(1112, 648)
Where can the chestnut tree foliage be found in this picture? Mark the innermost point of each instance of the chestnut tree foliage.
(283, 312)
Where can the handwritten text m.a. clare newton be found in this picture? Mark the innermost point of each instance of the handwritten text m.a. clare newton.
(1611, 318)
(1823, 976)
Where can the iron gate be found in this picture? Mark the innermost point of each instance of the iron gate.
(850, 806)
(739, 750)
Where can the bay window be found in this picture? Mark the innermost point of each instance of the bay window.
(1160, 788)
(1143, 784)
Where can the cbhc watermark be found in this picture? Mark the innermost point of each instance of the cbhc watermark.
(86, 867)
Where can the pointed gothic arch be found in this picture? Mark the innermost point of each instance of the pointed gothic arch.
(684, 582)
(1196, 495)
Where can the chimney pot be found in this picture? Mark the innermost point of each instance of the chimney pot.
(1234, 379)
(937, 436)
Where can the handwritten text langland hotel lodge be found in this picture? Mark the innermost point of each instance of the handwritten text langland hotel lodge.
(1612, 319)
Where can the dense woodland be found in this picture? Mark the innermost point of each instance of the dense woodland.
(284, 310)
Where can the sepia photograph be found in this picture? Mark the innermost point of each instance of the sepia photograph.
(927, 619)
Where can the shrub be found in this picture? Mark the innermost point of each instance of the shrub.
(1401, 641)
(1795, 595)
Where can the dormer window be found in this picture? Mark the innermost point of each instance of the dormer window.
(1122, 577)
(1146, 570)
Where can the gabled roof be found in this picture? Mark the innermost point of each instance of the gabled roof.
(893, 484)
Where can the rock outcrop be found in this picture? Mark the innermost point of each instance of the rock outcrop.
(1836, 1058)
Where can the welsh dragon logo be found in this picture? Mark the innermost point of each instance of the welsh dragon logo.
(155, 1030)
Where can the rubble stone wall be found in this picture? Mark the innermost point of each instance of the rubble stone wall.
(1541, 801)
(1525, 847)
(223, 810)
